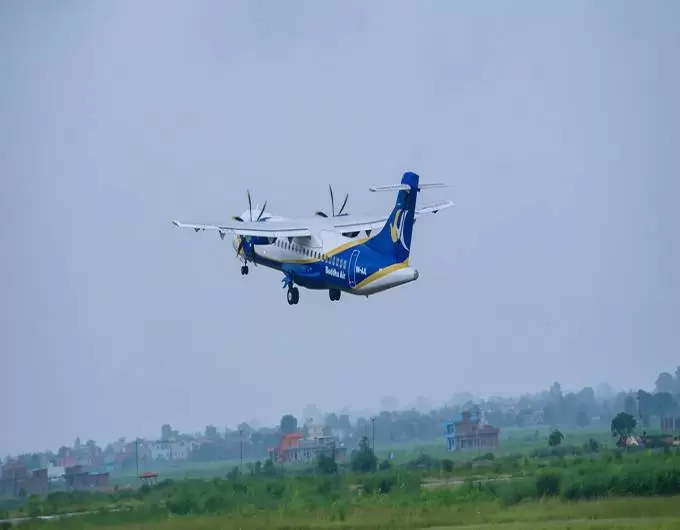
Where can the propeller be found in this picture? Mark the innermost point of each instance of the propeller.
(340, 211)
(258, 219)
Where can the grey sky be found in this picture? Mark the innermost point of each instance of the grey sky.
(556, 124)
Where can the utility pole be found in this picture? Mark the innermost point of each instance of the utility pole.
(137, 455)
(373, 433)
(241, 433)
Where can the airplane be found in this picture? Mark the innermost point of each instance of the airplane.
(341, 253)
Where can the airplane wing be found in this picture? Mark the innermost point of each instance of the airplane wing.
(353, 223)
(261, 229)
(292, 228)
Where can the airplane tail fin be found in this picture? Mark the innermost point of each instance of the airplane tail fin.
(394, 239)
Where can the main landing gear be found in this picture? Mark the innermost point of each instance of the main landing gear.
(244, 270)
(293, 295)
(334, 294)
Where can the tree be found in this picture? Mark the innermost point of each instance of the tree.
(556, 391)
(245, 428)
(363, 459)
(582, 417)
(389, 403)
(268, 468)
(332, 421)
(645, 406)
(663, 404)
(665, 383)
(623, 425)
(326, 464)
(447, 465)
(289, 424)
(555, 438)
(591, 445)
(630, 405)
(344, 423)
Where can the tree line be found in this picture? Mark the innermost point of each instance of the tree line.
(552, 407)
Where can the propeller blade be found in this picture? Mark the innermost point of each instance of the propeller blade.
(237, 218)
(320, 214)
(262, 211)
(343, 204)
(250, 207)
(332, 200)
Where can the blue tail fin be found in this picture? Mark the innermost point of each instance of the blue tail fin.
(394, 239)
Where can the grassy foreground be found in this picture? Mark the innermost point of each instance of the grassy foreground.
(604, 490)
(638, 513)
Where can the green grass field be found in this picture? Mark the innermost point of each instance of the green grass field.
(525, 486)
(637, 513)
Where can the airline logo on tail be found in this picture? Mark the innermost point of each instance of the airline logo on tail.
(397, 228)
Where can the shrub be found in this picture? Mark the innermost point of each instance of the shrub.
(548, 483)
(385, 464)
(447, 465)
(424, 461)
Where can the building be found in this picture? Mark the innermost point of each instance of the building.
(180, 450)
(469, 432)
(77, 478)
(160, 451)
(294, 448)
(314, 431)
(670, 424)
(17, 481)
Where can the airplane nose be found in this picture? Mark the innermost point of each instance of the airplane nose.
(416, 274)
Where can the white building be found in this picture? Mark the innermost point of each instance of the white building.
(159, 451)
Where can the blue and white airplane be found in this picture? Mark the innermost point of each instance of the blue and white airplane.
(337, 253)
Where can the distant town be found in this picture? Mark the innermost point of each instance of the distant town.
(463, 424)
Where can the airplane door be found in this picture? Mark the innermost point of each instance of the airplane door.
(351, 268)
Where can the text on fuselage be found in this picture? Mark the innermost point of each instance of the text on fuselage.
(330, 271)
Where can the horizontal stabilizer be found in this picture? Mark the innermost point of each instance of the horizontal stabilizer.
(434, 208)
(431, 185)
(404, 187)
(390, 187)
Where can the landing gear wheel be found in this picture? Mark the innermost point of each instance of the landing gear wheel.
(293, 296)
(334, 294)
(244, 270)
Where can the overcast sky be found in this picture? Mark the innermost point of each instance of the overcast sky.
(557, 126)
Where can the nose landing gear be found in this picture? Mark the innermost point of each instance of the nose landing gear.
(244, 270)
(334, 294)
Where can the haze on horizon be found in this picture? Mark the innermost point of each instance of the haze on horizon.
(556, 125)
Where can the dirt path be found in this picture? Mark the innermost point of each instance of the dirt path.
(623, 522)
(442, 483)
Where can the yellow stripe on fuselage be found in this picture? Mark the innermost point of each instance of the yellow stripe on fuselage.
(381, 273)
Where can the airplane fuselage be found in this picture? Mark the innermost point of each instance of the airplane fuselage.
(360, 255)
(328, 260)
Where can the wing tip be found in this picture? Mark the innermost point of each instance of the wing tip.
(176, 223)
